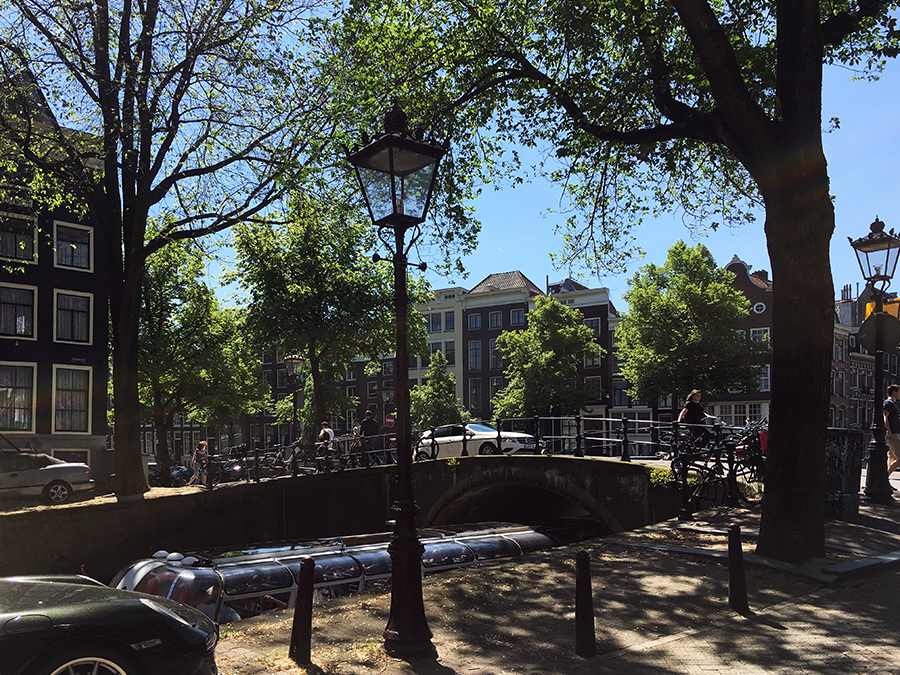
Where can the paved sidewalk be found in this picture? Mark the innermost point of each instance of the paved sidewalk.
(660, 606)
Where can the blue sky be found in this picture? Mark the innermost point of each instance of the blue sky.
(863, 164)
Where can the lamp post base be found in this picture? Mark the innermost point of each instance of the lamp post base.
(878, 487)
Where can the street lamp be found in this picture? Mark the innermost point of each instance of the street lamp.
(877, 255)
(294, 364)
(396, 173)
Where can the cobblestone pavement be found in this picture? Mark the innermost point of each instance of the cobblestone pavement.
(660, 606)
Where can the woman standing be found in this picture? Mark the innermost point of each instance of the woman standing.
(199, 464)
(693, 414)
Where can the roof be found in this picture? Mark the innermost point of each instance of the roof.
(506, 281)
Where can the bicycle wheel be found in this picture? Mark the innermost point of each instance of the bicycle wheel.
(213, 475)
(709, 492)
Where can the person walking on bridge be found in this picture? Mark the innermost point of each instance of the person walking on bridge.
(891, 412)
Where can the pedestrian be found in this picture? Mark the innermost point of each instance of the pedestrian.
(892, 427)
(368, 430)
(198, 463)
(693, 415)
(326, 436)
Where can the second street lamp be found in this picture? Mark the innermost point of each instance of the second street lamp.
(294, 364)
(877, 254)
(396, 173)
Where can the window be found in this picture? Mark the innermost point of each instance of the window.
(496, 385)
(351, 392)
(840, 346)
(759, 333)
(495, 320)
(433, 322)
(592, 358)
(18, 237)
(594, 325)
(495, 356)
(387, 368)
(372, 389)
(475, 393)
(351, 373)
(16, 397)
(620, 395)
(594, 387)
(17, 311)
(281, 377)
(72, 406)
(475, 355)
(764, 377)
(840, 384)
(450, 353)
(740, 414)
(73, 317)
(754, 412)
(474, 321)
(516, 317)
(74, 246)
(449, 320)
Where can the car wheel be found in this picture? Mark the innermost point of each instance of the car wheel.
(85, 661)
(57, 492)
(421, 456)
(487, 449)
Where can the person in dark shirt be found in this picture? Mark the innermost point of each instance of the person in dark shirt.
(368, 430)
(694, 415)
(891, 412)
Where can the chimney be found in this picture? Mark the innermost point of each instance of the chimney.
(762, 275)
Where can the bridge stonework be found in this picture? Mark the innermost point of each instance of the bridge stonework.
(104, 535)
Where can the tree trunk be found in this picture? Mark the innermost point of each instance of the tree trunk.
(162, 424)
(799, 225)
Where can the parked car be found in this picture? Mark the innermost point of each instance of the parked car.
(75, 625)
(230, 585)
(480, 440)
(26, 474)
(180, 475)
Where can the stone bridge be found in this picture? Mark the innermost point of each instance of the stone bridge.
(104, 534)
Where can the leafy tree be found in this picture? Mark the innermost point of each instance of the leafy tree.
(192, 354)
(434, 403)
(710, 108)
(197, 108)
(543, 363)
(311, 287)
(683, 329)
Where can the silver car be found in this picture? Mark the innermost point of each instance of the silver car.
(27, 474)
(480, 440)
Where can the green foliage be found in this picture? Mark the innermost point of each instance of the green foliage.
(193, 359)
(434, 403)
(312, 287)
(683, 329)
(543, 363)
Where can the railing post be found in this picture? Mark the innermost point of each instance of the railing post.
(256, 463)
(625, 456)
(687, 508)
(537, 436)
(585, 638)
(499, 437)
(300, 649)
(579, 452)
(434, 444)
(465, 441)
(731, 498)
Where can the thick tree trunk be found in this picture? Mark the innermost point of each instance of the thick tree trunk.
(799, 225)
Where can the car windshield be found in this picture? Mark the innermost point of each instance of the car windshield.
(481, 429)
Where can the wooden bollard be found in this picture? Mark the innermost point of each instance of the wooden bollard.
(737, 582)
(585, 639)
(300, 650)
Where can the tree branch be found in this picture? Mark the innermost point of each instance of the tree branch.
(837, 27)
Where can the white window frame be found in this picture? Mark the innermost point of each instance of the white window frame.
(90, 399)
(33, 366)
(34, 312)
(495, 320)
(90, 296)
(91, 243)
(514, 314)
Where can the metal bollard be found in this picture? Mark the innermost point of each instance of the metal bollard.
(300, 650)
(737, 582)
(585, 639)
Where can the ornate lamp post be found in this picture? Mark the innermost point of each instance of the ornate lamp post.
(877, 254)
(294, 364)
(396, 173)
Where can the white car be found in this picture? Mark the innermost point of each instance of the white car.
(480, 440)
(25, 474)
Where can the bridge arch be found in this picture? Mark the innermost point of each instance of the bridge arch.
(506, 490)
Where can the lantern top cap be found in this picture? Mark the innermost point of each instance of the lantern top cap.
(395, 120)
(876, 240)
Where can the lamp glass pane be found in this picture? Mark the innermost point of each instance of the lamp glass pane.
(414, 190)
(376, 187)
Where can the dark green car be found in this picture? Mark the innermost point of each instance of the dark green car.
(73, 625)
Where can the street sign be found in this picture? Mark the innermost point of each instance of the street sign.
(389, 419)
(890, 332)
